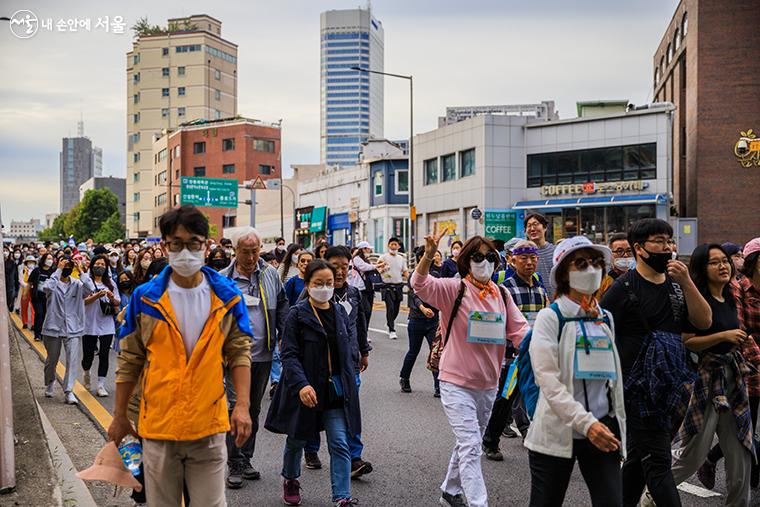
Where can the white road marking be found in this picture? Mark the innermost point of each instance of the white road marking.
(697, 491)
(381, 331)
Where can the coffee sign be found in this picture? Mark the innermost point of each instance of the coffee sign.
(592, 187)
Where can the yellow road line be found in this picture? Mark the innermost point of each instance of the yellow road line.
(85, 397)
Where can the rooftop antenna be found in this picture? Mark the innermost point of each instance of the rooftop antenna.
(80, 124)
(369, 6)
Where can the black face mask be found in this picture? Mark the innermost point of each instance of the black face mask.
(125, 285)
(98, 270)
(66, 272)
(220, 263)
(658, 261)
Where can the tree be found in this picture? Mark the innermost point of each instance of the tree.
(111, 230)
(143, 28)
(94, 210)
(56, 230)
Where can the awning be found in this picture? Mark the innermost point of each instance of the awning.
(318, 219)
(585, 202)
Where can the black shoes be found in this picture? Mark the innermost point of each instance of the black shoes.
(405, 385)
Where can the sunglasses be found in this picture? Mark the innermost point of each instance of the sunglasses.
(581, 263)
(491, 257)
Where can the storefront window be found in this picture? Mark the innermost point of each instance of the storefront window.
(596, 223)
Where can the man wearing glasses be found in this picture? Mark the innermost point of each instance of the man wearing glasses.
(651, 305)
(622, 261)
(267, 308)
(535, 230)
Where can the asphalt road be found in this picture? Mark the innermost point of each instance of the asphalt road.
(406, 436)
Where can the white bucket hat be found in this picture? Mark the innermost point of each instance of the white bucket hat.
(364, 244)
(569, 246)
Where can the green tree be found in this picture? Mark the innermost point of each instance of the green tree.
(56, 230)
(143, 28)
(94, 210)
(111, 230)
(71, 217)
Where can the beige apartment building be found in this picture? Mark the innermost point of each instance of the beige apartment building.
(187, 72)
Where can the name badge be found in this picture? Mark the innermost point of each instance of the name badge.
(486, 328)
(251, 300)
(346, 306)
(531, 318)
(594, 357)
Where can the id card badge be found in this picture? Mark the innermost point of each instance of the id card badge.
(346, 306)
(531, 318)
(486, 328)
(251, 300)
(594, 357)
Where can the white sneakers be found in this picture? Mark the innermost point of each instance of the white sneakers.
(392, 335)
(50, 390)
(102, 391)
(71, 399)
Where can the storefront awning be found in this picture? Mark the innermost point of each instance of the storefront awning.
(581, 202)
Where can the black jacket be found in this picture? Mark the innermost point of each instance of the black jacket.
(304, 362)
(11, 279)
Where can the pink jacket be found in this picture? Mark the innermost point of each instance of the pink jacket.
(469, 365)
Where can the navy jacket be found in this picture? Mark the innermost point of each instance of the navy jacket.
(449, 268)
(304, 362)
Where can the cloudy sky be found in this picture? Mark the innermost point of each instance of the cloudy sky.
(476, 52)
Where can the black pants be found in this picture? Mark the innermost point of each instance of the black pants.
(501, 414)
(716, 453)
(648, 463)
(368, 300)
(92, 343)
(241, 456)
(392, 295)
(39, 303)
(550, 476)
(418, 330)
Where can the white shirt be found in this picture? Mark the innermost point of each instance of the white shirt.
(395, 266)
(191, 307)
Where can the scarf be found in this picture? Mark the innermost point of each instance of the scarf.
(588, 304)
(486, 289)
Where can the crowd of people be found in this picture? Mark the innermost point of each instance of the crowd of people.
(616, 356)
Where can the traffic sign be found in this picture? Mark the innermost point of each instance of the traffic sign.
(259, 184)
(475, 213)
(274, 184)
(209, 192)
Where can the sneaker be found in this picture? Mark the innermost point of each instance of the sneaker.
(87, 380)
(312, 461)
(250, 473)
(291, 492)
(50, 390)
(346, 502)
(102, 391)
(706, 474)
(437, 393)
(71, 399)
(509, 432)
(235, 477)
(493, 454)
(38, 338)
(392, 335)
(405, 385)
(452, 500)
(272, 389)
(360, 467)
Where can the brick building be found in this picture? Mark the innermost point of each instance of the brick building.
(231, 148)
(708, 65)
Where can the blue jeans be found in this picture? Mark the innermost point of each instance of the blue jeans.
(340, 456)
(418, 330)
(274, 376)
(354, 443)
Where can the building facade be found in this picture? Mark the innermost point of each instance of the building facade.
(704, 64)
(24, 229)
(76, 167)
(174, 77)
(116, 185)
(239, 149)
(351, 101)
(388, 214)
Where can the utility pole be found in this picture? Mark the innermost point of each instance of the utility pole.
(7, 450)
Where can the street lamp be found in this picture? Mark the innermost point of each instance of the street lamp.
(413, 211)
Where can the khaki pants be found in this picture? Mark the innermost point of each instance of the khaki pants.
(199, 463)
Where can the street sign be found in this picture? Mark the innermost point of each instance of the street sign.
(209, 192)
(475, 213)
(258, 184)
(274, 184)
(500, 224)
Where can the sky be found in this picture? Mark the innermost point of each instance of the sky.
(461, 53)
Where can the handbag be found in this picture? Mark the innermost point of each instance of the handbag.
(436, 349)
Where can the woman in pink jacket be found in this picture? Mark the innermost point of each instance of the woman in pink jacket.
(485, 319)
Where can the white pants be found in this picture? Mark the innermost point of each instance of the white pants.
(468, 411)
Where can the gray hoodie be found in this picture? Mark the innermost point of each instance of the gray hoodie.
(65, 306)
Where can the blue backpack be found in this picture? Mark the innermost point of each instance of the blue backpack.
(520, 372)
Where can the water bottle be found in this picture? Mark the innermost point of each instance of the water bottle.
(130, 450)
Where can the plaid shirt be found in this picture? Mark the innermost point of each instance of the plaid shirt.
(528, 298)
(747, 299)
(712, 381)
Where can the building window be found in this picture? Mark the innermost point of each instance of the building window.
(180, 111)
(228, 169)
(176, 199)
(684, 25)
(165, 112)
(136, 177)
(229, 221)
(165, 72)
(181, 91)
(467, 162)
(402, 181)
(431, 171)
(199, 172)
(199, 147)
(217, 114)
(263, 145)
(265, 169)
(164, 51)
(670, 54)
(662, 66)
(177, 151)
(217, 95)
(377, 184)
(136, 98)
(164, 92)
(180, 71)
(217, 74)
(136, 216)
(136, 197)
(136, 156)
(656, 76)
(228, 144)
(448, 167)
(135, 58)
(136, 137)
(677, 39)
(136, 77)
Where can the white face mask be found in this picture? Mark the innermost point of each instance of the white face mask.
(186, 263)
(321, 294)
(280, 248)
(624, 263)
(145, 263)
(114, 260)
(481, 271)
(48, 263)
(392, 251)
(294, 259)
(586, 282)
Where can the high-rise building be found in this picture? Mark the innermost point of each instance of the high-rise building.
(97, 161)
(184, 73)
(76, 168)
(351, 100)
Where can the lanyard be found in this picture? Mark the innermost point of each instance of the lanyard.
(327, 340)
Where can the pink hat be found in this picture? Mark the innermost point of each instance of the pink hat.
(752, 247)
(109, 467)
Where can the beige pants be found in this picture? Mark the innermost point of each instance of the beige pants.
(199, 463)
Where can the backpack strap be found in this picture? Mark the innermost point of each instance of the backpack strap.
(554, 306)
(454, 311)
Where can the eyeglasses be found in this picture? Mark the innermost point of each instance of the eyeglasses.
(534, 225)
(177, 245)
(662, 242)
(581, 263)
(717, 263)
(491, 257)
(620, 252)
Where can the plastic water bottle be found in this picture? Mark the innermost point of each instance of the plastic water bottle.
(130, 450)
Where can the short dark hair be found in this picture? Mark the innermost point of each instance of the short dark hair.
(337, 251)
(618, 236)
(394, 238)
(640, 230)
(187, 216)
(156, 266)
(538, 216)
(455, 243)
(278, 240)
(225, 242)
(268, 257)
(468, 250)
(750, 263)
(314, 266)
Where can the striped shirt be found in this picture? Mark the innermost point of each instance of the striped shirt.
(545, 263)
